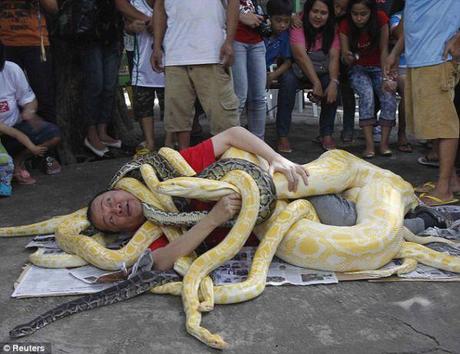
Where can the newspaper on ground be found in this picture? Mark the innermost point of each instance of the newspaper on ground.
(43, 241)
(279, 273)
(36, 281)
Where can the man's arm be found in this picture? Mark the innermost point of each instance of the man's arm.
(130, 11)
(303, 60)
(453, 47)
(242, 139)
(223, 211)
(226, 51)
(49, 6)
(159, 30)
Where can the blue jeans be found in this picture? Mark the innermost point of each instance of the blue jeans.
(366, 80)
(249, 79)
(100, 64)
(289, 84)
(347, 98)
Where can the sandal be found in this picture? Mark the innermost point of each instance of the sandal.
(405, 147)
(328, 143)
(23, 176)
(425, 187)
(283, 145)
(368, 154)
(386, 153)
(427, 161)
(431, 200)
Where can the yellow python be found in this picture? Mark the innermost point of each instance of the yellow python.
(293, 232)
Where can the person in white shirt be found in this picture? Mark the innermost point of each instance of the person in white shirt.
(18, 109)
(197, 38)
(145, 82)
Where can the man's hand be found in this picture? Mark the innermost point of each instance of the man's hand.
(453, 48)
(291, 170)
(135, 26)
(390, 64)
(156, 60)
(251, 20)
(226, 55)
(296, 21)
(331, 92)
(349, 58)
(38, 150)
(225, 208)
(271, 77)
(318, 89)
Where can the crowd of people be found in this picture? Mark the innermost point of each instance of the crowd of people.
(222, 56)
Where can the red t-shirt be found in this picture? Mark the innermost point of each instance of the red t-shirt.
(367, 56)
(199, 157)
(246, 34)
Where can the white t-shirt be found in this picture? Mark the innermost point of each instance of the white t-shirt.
(15, 92)
(195, 31)
(143, 74)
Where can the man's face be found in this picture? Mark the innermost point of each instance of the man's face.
(117, 211)
(280, 23)
(340, 7)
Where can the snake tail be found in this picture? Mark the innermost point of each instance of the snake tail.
(125, 290)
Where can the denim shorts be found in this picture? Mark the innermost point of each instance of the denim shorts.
(44, 132)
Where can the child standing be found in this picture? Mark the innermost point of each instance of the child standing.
(278, 62)
(145, 81)
(364, 41)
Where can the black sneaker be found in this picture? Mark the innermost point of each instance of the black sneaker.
(431, 217)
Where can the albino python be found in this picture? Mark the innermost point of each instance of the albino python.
(293, 232)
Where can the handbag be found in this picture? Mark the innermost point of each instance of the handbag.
(320, 62)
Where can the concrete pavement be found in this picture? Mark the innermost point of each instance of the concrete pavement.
(350, 317)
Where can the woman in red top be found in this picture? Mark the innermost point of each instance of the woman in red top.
(249, 73)
(364, 42)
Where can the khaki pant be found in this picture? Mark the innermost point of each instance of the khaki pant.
(213, 86)
(429, 94)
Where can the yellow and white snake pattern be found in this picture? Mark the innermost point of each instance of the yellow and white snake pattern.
(293, 232)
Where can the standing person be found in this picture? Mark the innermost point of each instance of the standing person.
(144, 80)
(347, 95)
(278, 61)
(249, 67)
(100, 61)
(197, 38)
(364, 41)
(431, 37)
(395, 33)
(23, 32)
(316, 49)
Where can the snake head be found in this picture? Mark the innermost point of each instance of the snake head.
(22, 331)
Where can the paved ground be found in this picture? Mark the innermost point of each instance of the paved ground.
(350, 317)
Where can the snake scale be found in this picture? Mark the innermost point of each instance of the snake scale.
(138, 284)
(293, 231)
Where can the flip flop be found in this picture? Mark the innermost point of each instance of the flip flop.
(435, 201)
(425, 187)
(406, 147)
(424, 160)
(386, 153)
